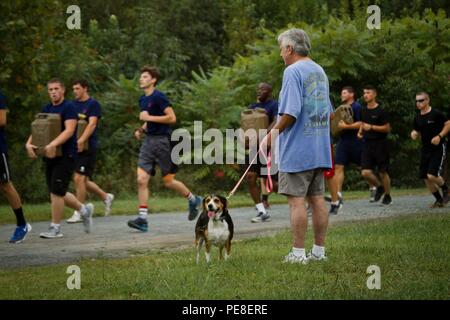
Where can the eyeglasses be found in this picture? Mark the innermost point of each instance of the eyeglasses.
(420, 101)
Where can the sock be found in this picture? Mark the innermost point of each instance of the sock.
(339, 194)
(438, 196)
(299, 252)
(143, 212)
(56, 225)
(444, 188)
(335, 203)
(190, 196)
(373, 188)
(83, 210)
(318, 251)
(265, 197)
(260, 208)
(19, 217)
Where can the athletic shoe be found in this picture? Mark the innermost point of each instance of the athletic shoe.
(372, 194)
(312, 257)
(387, 200)
(20, 233)
(261, 217)
(334, 209)
(193, 207)
(53, 232)
(139, 223)
(87, 217)
(437, 204)
(292, 258)
(340, 199)
(378, 194)
(76, 217)
(108, 203)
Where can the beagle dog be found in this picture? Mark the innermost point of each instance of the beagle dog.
(214, 226)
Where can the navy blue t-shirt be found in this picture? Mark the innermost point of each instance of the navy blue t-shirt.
(270, 106)
(155, 104)
(352, 134)
(89, 108)
(3, 145)
(67, 111)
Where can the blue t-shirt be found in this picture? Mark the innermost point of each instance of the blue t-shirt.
(305, 96)
(3, 145)
(270, 106)
(348, 135)
(155, 104)
(67, 111)
(89, 108)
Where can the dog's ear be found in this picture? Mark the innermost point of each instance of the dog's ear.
(225, 203)
(204, 203)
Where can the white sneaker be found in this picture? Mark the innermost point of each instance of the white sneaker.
(261, 217)
(53, 232)
(313, 257)
(108, 203)
(75, 218)
(87, 218)
(292, 258)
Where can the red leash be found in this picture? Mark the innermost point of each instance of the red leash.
(269, 183)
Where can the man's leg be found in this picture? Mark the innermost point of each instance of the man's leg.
(319, 219)
(370, 177)
(57, 207)
(80, 186)
(22, 228)
(193, 201)
(339, 176)
(299, 221)
(143, 179)
(252, 178)
(386, 182)
(94, 188)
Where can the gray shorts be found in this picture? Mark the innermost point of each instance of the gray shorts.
(301, 184)
(155, 150)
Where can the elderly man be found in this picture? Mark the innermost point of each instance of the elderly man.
(304, 142)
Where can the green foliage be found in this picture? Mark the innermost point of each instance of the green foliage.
(212, 54)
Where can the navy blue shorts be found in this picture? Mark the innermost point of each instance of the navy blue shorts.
(348, 151)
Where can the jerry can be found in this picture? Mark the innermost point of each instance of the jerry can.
(44, 129)
(82, 124)
(254, 119)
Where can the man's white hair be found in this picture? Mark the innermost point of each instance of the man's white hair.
(296, 38)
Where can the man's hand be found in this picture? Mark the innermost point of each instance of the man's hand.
(50, 151)
(342, 125)
(436, 140)
(80, 145)
(366, 126)
(31, 150)
(360, 135)
(138, 133)
(414, 134)
(266, 142)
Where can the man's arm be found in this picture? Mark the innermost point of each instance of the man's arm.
(284, 122)
(437, 139)
(2, 118)
(168, 117)
(70, 126)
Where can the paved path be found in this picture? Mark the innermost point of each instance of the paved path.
(112, 238)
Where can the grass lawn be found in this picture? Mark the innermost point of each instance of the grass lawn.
(157, 204)
(412, 252)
